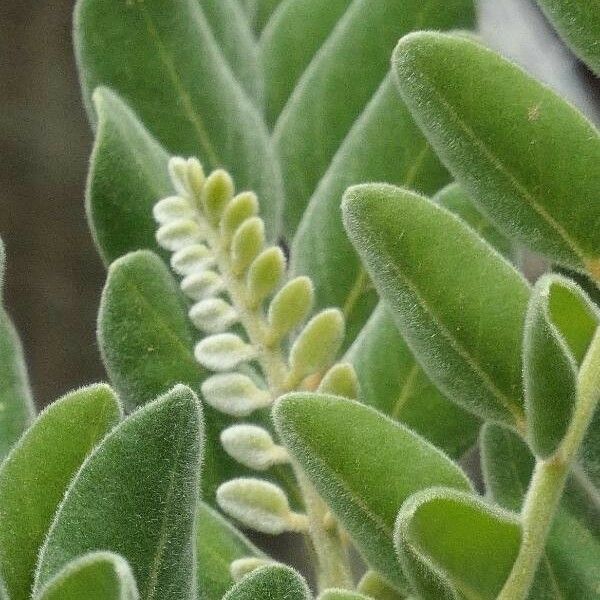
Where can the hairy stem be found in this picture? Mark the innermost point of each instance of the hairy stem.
(548, 481)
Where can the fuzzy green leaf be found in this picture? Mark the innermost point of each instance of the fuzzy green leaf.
(96, 576)
(549, 365)
(260, 11)
(393, 382)
(459, 540)
(348, 464)
(35, 475)
(483, 114)
(578, 24)
(164, 61)
(147, 469)
(147, 347)
(270, 583)
(458, 304)
(570, 568)
(128, 175)
(375, 586)
(339, 82)
(218, 544)
(341, 595)
(383, 145)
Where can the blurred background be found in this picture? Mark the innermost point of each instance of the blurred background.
(54, 275)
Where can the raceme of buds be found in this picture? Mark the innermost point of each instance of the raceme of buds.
(341, 380)
(204, 284)
(252, 447)
(264, 275)
(242, 207)
(178, 172)
(176, 235)
(213, 315)
(223, 352)
(290, 307)
(248, 241)
(218, 192)
(192, 259)
(234, 394)
(260, 505)
(172, 208)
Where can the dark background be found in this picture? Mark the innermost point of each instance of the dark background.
(54, 276)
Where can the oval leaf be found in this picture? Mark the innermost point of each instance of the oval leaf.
(483, 114)
(35, 475)
(458, 304)
(347, 465)
(147, 469)
(270, 583)
(96, 576)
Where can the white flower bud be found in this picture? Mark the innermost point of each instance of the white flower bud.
(192, 258)
(264, 275)
(290, 307)
(218, 192)
(318, 344)
(341, 380)
(213, 315)
(253, 447)
(242, 566)
(260, 505)
(247, 243)
(177, 235)
(223, 352)
(204, 284)
(172, 208)
(234, 394)
(195, 177)
(178, 171)
(242, 207)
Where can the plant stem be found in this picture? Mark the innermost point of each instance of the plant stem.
(549, 477)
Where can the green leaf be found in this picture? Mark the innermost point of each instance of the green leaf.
(147, 470)
(128, 175)
(348, 464)
(549, 365)
(218, 544)
(393, 382)
(147, 347)
(376, 587)
(465, 543)
(483, 114)
(383, 145)
(578, 24)
(36, 473)
(321, 111)
(570, 568)
(341, 595)
(270, 583)
(289, 42)
(96, 576)
(458, 304)
(168, 67)
(454, 199)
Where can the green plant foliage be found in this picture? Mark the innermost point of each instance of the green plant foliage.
(376, 587)
(171, 55)
(218, 544)
(469, 544)
(578, 24)
(394, 383)
(120, 208)
(147, 347)
(35, 475)
(483, 114)
(458, 304)
(147, 469)
(347, 465)
(549, 365)
(270, 583)
(321, 111)
(341, 595)
(95, 576)
(384, 144)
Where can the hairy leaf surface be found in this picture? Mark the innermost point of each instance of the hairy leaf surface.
(275, 582)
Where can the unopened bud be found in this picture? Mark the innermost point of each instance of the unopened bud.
(252, 447)
(178, 171)
(260, 505)
(341, 380)
(177, 235)
(195, 177)
(223, 352)
(192, 258)
(290, 307)
(242, 566)
(318, 344)
(242, 207)
(204, 284)
(247, 243)
(218, 192)
(213, 315)
(234, 394)
(172, 208)
(264, 275)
